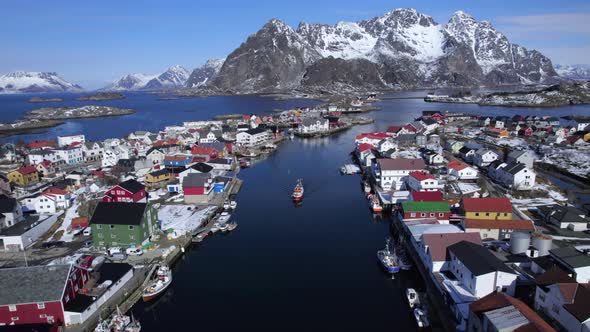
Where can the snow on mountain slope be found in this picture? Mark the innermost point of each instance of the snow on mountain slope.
(130, 82)
(35, 82)
(574, 72)
(201, 75)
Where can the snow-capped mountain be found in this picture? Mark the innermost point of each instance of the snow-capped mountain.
(202, 74)
(35, 82)
(402, 48)
(574, 72)
(130, 82)
(174, 77)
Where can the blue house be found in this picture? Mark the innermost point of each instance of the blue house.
(177, 161)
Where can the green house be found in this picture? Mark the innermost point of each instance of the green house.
(123, 224)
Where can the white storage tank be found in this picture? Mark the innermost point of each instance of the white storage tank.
(519, 242)
(543, 243)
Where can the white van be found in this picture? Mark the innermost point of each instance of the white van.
(114, 250)
(134, 251)
(87, 231)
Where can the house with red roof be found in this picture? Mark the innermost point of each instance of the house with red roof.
(433, 248)
(422, 181)
(491, 208)
(127, 191)
(370, 138)
(426, 196)
(392, 173)
(462, 171)
(46, 168)
(562, 299)
(501, 312)
(393, 131)
(210, 152)
(41, 144)
(24, 176)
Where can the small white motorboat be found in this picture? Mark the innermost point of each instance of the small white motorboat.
(223, 218)
(233, 205)
(412, 296)
(421, 318)
(161, 280)
(226, 205)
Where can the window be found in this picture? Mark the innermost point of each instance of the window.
(112, 226)
(555, 308)
(42, 316)
(113, 236)
(422, 214)
(477, 214)
(413, 214)
(40, 305)
(542, 296)
(505, 214)
(432, 214)
(441, 214)
(14, 318)
(487, 214)
(12, 308)
(130, 227)
(100, 236)
(98, 226)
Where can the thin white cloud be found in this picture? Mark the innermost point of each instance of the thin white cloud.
(571, 23)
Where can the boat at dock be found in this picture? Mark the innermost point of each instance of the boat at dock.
(421, 318)
(226, 205)
(119, 322)
(161, 280)
(244, 163)
(223, 217)
(298, 191)
(412, 297)
(231, 226)
(388, 258)
(366, 187)
(233, 205)
(374, 204)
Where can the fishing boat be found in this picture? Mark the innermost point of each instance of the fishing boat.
(244, 163)
(291, 136)
(161, 279)
(119, 322)
(223, 218)
(298, 191)
(388, 259)
(223, 227)
(233, 205)
(231, 226)
(226, 204)
(421, 318)
(412, 297)
(367, 187)
(374, 204)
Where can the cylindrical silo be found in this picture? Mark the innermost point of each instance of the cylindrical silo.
(542, 242)
(519, 242)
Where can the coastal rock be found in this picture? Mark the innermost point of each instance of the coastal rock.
(35, 82)
(102, 96)
(408, 49)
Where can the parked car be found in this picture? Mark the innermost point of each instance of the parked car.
(53, 244)
(85, 261)
(114, 250)
(87, 231)
(134, 251)
(88, 244)
(119, 256)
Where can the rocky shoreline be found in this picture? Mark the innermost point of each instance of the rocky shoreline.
(49, 117)
(44, 100)
(102, 96)
(566, 93)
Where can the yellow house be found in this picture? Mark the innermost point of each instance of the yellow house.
(586, 137)
(24, 176)
(158, 176)
(498, 208)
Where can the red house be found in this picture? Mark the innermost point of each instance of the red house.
(38, 294)
(204, 151)
(427, 196)
(528, 131)
(128, 191)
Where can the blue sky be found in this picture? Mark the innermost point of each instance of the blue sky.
(94, 42)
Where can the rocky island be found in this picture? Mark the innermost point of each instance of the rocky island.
(44, 100)
(48, 117)
(102, 96)
(565, 93)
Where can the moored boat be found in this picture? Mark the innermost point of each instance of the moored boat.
(421, 318)
(367, 187)
(223, 218)
(244, 163)
(298, 191)
(233, 205)
(388, 259)
(231, 226)
(161, 280)
(374, 204)
(226, 204)
(412, 297)
(119, 322)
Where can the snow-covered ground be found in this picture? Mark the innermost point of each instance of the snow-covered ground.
(511, 142)
(178, 220)
(576, 161)
(71, 213)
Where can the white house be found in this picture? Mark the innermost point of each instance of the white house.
(71, 155)
(433, 158)
(462, 171)
(422, 181)
(312, 125)
(252, 137)
(67, 140)
(514, 175)
(484, 157)
(92, 151)
(562, 299)
(155, 156)
(526, 157)
(433, 247)
(209, 136)
(37, 157)
(386, 144)
(572, 261)
(10, 211)
(391, 173)
(565, 217)
(111, 155)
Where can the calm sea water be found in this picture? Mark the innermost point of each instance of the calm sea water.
(284, 268)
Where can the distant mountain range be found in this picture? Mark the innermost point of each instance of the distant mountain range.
(35, 82)
(574, 72)
(400, 49)
(173, 78)
(201, 75)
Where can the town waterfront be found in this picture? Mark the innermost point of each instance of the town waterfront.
(303, 268)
